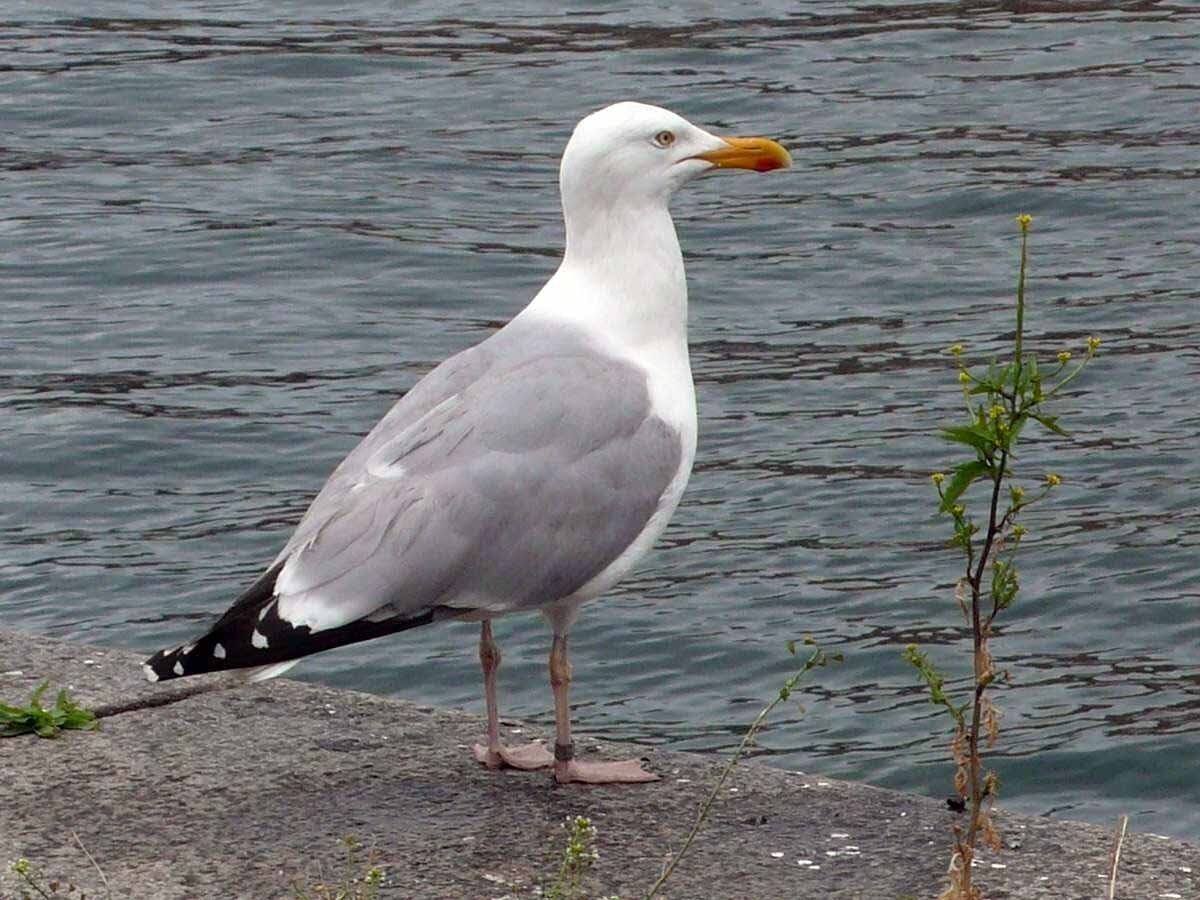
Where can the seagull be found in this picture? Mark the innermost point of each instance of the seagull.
(528, 473)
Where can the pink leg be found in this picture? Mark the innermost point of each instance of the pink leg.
(495, 754)
(566, 767)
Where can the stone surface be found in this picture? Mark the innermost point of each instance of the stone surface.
(242, 791)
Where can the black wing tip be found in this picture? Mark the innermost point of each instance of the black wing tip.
(159, 667)
(250, 636)
(209, 653)
(204, 655)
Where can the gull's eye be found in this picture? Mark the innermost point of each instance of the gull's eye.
(664, 139)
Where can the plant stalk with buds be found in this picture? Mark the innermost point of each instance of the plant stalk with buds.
(1000, 402)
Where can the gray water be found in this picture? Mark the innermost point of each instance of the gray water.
(228, 239)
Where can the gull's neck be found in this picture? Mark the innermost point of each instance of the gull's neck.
(621, 278)
(621, 281)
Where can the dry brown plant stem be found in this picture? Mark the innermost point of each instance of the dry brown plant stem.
(1119, 839)
(981, 628)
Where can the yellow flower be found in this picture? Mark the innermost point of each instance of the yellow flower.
(1064, 355)
(1053, 480)
(1017, 494)
(1024, 220)
(955, 349)
(937, 478)
(964, 376)
(958, 509)
(1019, 531)
(996, 412)
(1093, 344)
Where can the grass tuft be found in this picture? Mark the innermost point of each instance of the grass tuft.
(360, 877)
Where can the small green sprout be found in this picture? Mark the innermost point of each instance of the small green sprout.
(578, 857)
(33, 718)
(359, 879)
(33, 884)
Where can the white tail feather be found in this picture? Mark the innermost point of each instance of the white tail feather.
(262, 673)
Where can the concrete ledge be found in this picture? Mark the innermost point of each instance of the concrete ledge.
(234, 793)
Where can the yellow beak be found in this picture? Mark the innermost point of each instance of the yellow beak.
(757, 153)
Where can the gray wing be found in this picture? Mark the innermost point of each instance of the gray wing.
(524, 468)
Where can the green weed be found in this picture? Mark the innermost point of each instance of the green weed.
(33, 718)
(578, 857)
(33, 884)
(816, 659)
(1001, 400)
(360, 877)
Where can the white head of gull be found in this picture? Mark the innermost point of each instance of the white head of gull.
(527, 473)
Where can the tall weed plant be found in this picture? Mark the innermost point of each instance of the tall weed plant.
(983, 496)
